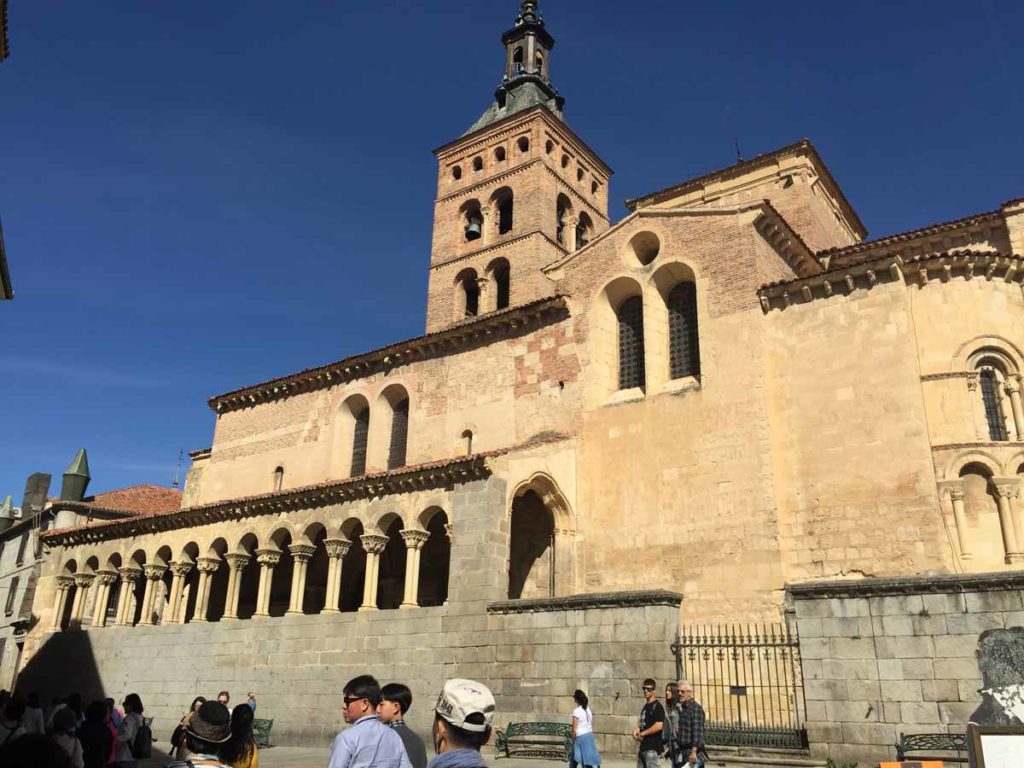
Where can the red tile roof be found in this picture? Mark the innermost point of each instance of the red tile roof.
(137, 500)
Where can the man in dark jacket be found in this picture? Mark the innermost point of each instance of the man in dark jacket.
(395, 702)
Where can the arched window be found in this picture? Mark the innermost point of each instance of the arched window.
(630, 315)
(360, 434)
(503, 200)
(683, 337)
(524, 144)
(993, 401)
(540, 63)
(584, 231)
(517, 60)
(278, 478)
(467, 441)
(501, 275)
(468, 288)
(563, 212)
(399, 434)
(499, 154)
(478, 163)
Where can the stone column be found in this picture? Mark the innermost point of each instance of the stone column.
(301, 555)
(153, 574)
(105, 580)
(336, 551)
(207, 567)
(60, 600)
(1013, 389)
(175, 608)
(1005, 491)
(414, 542)
(236, 564)
(83, 582)
(129, 576)
(268, 560)
(373, 544)
(956, 495)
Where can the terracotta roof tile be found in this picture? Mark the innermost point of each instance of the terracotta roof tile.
(137, 500)
(912, 234)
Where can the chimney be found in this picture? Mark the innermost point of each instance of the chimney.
(6, 514)
(76, 478)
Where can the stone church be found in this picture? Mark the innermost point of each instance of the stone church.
(607, 428)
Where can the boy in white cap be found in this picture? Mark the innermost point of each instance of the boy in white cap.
(462, 724)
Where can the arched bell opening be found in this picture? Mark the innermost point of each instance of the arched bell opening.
(391, 582)
(435, 561)
(472, 221)
(249, 583)
(563, 220)
(467, 284)
(500, 273)
(502, 203)
(353, 568)
(584, 231)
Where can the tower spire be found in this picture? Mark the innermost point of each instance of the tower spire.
(528, 11)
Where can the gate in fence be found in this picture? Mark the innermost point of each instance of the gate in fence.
(749, 681)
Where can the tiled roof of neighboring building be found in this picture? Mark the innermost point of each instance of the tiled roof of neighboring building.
(137, 500)
(913, 234)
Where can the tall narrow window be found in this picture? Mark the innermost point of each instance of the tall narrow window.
(632, 371)
(502, 205)
(993, 406)
(683, 337)
(584, 228)
(115, 596)
(472, 291)
(11, 594)
(22, 544)
(359, 437)
(517, 60)
(500, 273)
(563, 214)
(467, 440)
(399, 435)
(279, 478)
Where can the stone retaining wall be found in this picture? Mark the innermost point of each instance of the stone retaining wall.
(533, 653)
(885, 656)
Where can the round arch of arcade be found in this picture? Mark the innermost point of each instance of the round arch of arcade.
(543, 540)
(382, 559)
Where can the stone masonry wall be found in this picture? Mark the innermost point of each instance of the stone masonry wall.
(884, 657)
(532, 653)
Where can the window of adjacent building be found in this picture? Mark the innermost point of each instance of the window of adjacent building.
(632, 373)
(993, 401)
(11, 595)
(467, 441)
(22, 544)
(279, 478)
(359, 437)
(399, 435)
(683, 337)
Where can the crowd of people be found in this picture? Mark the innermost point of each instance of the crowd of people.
(63, 734)
(211, 734)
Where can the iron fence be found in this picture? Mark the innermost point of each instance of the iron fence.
(749, 681)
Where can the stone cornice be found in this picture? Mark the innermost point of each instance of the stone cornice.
(585, 602)
(866, 274)
(501, 245)
(1016, 444)
(357, 367)
(787, 242)
(469, 190)
(202, 453)
(948, 375)
(909, 585)
(422, 477)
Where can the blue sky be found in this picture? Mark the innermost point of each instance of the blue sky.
(197, 196)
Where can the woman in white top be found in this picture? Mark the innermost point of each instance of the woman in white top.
(128, 730)
(584, 748)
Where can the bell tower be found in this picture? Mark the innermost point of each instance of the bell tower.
(516, 192)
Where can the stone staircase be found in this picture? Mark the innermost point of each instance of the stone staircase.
(749, 757)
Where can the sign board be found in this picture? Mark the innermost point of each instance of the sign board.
(995, 746)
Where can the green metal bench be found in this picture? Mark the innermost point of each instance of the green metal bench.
(932, 742)
(261, 732)
(552, 740)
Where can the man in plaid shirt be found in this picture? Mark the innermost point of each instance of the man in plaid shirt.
(691, 727)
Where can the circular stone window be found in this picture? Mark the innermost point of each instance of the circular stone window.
(645, 247)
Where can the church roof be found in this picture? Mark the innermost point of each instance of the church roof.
(136, 500)
(360, 366)
(525, 96)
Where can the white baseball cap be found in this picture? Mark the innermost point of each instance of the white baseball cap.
(461, 698)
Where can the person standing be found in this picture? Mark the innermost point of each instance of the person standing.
(691, 727)
(208, 730)
(395, 700)
(128, 730)
(648, 733)
(368, 743)
(11, 727)
(241, 750)
(462, 724)
(584, 748)
(178, 736)
(670, 733)
(65, 725)
(34, 720)
(97, 740)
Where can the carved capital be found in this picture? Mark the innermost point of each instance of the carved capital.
(268, 558)
(65, 582)
(956, 493)
(130, 574)
(84, 580)
(972, 381)
(415, 539)
(337, 548)
(449, 531)
(1007, 489)
(208, 564)
(154, 572)
(181, 570)
(373, 543)
(237, 561)
(106, 577)
(302, 552)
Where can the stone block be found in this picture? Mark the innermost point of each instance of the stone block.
(853, 711)
(956, 669)
(897, 626)
(901, 690)
(1002, 601)
(917, 669)
(947, 602)
(864, 690)
(890, 669)
(968, 690)
(940, 690)
(815, 648)
(956, 713)
(849, 669)
(898, 605)
(882, 734)
(904, 647)
(919, 713)
(973, 623)
(811, 627)
(850, 648)
(847, 607)
(841, 627)
(818, 733)
(811, 609)
(826, 690)
(955, 646)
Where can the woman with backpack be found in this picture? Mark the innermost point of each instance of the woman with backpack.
(132, 734)
(584, 748)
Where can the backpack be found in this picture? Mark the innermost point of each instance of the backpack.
(142, 745)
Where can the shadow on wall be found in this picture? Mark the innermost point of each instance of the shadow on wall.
(65, 664)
